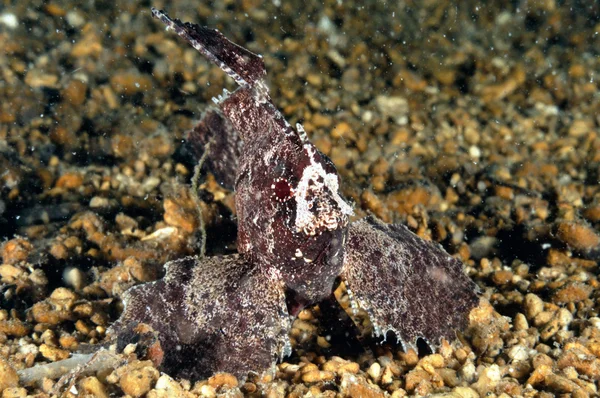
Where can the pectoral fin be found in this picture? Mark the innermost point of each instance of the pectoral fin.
(219, 314)
(407, 285)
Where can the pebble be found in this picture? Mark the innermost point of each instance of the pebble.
(181, 213)
(395, 107)
(577, 236)
(92, 386)
(75, 92)
(460, 392)
(374, 372)
(9, 20)
(572, 292)
(520, 322)
(518, 353)
(130, 82)
(138, 381)
(15, 251)
(502, 277)
(38, 79)
(582, 361)
(72, 180)
(533, 305)
(170, 387)
(340, 366)
(223, 380)
(580, 127)
(75, 19)
(15, 392)
(8, 375)
(314, 376)
(53, 353)
(357, 386)
(488, 380)
(98, 202)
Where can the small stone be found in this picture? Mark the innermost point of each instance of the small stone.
(432, 362)
(150, 183)
(315, 376)
(520, 322)
(533, 305)
(539, 374)
(9, 20)
(59, 251)
(518, 353)
(577, 236)
(92, 386)
(75, 92)
(166, 384)
(374, 371)
(74, 277)
(68, 341)
(37, 79)
(207, 391)
(69, 181)
(543, 317)
(356, 386)
(592, 213)
(55, 10)
(130, 82)
(504, 192)
(584, 363)
(474, 152)
(468, 372)
(223, 380)
(502, 277)
(15, 251)
(343, 130)
(319, 120)
(339, 366)
(14, 327)
(54, 354)
(559, 384)
(572, 293)
(458, 392)
(579, 128)
(549, 329)
(541, 360)
(387, 376)
(414, 378)
(138, 382)
(75, 19)
(121, 145)
(98, 202)
(14, 392)
(8, 376)
(181, 213)
(322, 342)
(488, 380)
(395, 107)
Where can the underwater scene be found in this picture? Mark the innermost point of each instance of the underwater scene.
(299, 199)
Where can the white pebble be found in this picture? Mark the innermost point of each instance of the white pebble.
(474, 152)
(518, 353)
(10, 20)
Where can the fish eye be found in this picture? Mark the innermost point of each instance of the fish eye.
(282, 191)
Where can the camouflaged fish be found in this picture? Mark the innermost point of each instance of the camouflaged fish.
(233, 313)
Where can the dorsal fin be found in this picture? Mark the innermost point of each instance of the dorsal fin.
(245, 67)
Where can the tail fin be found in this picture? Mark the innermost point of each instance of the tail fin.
(245, 67)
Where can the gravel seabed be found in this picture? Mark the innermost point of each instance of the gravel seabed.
(477, 125)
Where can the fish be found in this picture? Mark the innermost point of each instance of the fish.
(295, 242)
